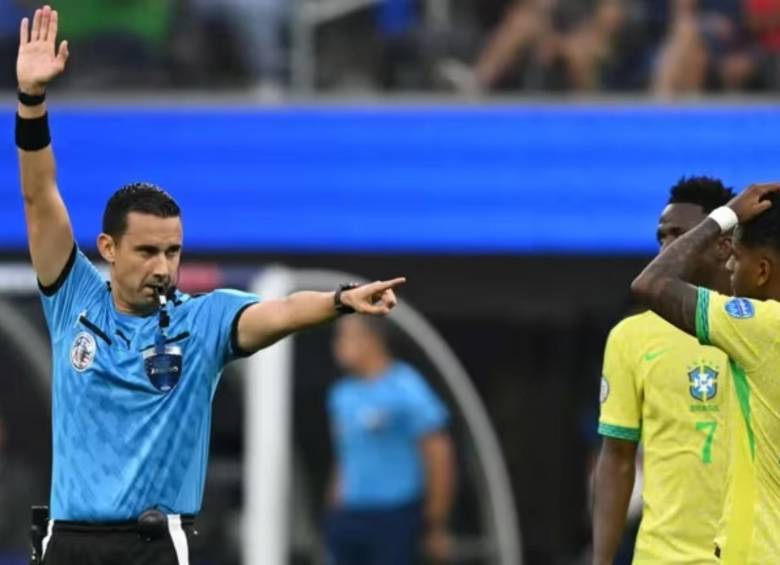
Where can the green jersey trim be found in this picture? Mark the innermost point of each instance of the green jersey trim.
(619, 432)
(742, 388)
(703, 316)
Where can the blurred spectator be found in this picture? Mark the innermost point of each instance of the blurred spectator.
(115, 42)
(400, 48)
(526, 30)
(247, 33)
(597, 52)
(763, 20)
(394, 476)
(554, 44)
(706, 48)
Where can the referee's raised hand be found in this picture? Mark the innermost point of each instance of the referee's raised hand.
(39, 59)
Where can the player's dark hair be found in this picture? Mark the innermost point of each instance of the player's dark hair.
(141, 197)
(707, 192)
(764, 229)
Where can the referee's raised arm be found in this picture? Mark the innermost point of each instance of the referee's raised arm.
(48, 225)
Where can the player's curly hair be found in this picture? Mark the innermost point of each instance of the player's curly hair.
(707, 192)
(764, 229)
(142, 197)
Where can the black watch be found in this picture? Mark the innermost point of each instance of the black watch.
(342, 308)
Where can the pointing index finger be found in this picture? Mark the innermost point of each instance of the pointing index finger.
(386, 285)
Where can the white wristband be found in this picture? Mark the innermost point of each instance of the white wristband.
(725, 217)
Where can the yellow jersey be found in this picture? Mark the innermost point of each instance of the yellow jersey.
(749, 332)
(661, 387)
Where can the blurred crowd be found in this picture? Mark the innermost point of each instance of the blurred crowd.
(667, 47)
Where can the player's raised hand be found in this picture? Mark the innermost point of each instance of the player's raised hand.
(377, 298)
(39, 60)
(750, 202)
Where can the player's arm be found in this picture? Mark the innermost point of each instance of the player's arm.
(439, 460)
(48, 226)
(613, 483)
(662, 285)
(267, 322)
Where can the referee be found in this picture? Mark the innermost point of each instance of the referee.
(136, 362)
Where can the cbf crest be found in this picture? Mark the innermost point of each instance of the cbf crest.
(703, 382)
(82, 352)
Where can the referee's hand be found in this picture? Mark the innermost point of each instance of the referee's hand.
(376, 299)
(39, 60)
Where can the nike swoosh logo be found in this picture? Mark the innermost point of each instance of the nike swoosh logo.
(654, 355)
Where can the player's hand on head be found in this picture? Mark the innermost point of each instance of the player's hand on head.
(39, 60)
(377, 298)
(750, 202)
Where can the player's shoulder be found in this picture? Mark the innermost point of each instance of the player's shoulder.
(404, 374)
(408, 382)
(637, 326)
(219, 296)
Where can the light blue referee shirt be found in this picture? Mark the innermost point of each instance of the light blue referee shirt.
(121, 445)
(377, 426)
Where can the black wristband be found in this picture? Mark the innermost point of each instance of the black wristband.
(31, 99)
(32, 134)
(342, 308)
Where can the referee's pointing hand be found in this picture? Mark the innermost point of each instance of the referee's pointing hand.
(376, 298)
(39, 59)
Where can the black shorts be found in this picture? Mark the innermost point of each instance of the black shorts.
(76, 543)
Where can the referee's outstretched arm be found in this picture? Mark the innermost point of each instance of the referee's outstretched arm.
(269, 321)
(48, 225)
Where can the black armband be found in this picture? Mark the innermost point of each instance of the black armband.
(31, 99)
(32, 134)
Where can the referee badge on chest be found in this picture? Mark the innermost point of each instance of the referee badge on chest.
(82, 352)
(162, 364)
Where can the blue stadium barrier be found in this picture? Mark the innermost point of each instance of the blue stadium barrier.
(406, 179)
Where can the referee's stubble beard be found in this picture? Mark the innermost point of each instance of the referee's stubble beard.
(144, 258)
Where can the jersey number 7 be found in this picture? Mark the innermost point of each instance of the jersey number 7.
(710, 428)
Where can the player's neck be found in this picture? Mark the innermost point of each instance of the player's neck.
(375, 367)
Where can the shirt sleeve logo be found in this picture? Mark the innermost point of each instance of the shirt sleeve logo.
(82, 352)
(740, 308)
(604, 390)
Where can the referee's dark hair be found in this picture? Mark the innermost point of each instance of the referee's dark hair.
(707, 192)
(142, 197)
(764, 229)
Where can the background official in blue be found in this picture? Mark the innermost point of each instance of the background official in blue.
(394, 478)
(136, 362)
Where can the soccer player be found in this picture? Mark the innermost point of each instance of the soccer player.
(747, 329)
(135, 362)
(394, 478)
(661, 387)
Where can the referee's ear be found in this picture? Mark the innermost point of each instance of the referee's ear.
(107, 248)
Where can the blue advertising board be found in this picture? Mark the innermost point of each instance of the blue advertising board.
(400, 179)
